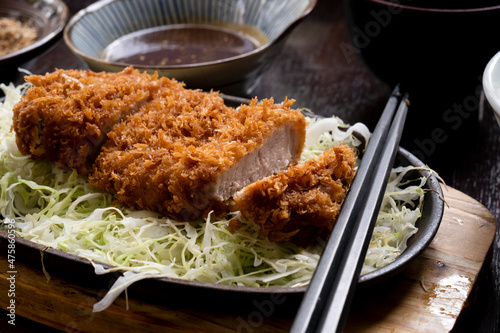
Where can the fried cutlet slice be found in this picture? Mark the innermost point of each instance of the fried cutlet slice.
(185, 159)
(300, 203)
(65, 115)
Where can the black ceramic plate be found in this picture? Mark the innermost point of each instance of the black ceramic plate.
(48, 17)
(79, 269)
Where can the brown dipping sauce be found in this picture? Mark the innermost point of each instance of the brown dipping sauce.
(184, 44)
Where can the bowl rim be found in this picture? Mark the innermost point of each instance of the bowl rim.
(103, 3)
(491, 89)
(437, 10)
(42, 41)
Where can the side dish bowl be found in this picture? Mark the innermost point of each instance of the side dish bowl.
(147, 25)
(491, 84)
(48, 17)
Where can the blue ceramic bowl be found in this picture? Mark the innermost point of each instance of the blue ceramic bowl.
(90, 33)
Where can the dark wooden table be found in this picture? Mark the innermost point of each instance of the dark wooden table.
(315, 69)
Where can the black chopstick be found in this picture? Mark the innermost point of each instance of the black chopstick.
(326, 302)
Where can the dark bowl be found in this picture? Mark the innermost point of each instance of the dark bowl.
(179, 292)
(48, 17)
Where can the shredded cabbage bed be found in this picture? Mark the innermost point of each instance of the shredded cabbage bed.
(58, 208)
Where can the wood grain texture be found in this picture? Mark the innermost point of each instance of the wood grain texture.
(431, 293)
(427, 296)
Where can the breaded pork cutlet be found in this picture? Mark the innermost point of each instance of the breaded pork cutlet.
(184, 160)
(65, 116)
(300, 203)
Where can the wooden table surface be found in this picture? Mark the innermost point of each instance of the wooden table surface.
(315, 70)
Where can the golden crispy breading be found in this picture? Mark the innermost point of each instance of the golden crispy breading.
(168, 157)
(302, 202)
(65, 116)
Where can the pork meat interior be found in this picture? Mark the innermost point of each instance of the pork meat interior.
(301, 203)
(185, 159)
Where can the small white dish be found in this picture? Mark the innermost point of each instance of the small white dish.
(491, 84)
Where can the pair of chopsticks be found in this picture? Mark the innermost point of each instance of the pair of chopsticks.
(327, 300)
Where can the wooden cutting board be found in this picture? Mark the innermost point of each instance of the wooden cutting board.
(427, 296)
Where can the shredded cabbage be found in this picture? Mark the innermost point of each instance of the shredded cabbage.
(58, 208)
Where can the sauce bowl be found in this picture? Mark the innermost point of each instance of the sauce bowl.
(198, 42)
